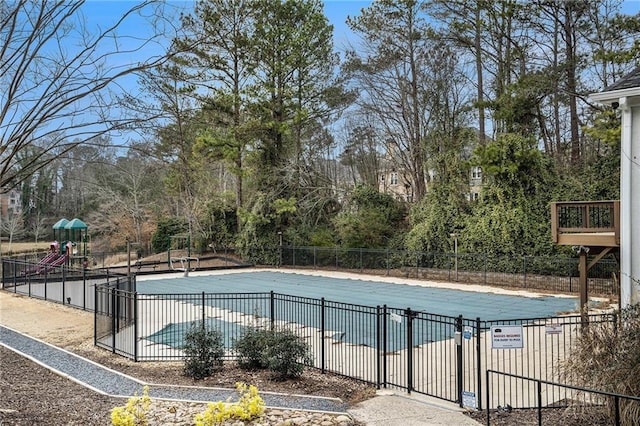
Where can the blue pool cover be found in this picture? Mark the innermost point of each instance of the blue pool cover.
(441, 301)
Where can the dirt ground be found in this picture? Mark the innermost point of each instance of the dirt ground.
(32, 395)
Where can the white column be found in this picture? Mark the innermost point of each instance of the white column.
(630, 203)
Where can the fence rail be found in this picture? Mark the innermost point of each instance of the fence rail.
(543, 273)
(580, 399)
(60, 284)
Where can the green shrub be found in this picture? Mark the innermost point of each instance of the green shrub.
(280, 350)
(251, 348)
(203, 351)
(287, 354)
(607, 357)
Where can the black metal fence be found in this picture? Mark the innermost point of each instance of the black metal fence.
(116, 316)
(60, 284)
(545, 273)
(441, 356)
(581, 404)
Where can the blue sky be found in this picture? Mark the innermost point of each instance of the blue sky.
(104, 12)
(135, 29)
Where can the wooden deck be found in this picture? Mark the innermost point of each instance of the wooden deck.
(586, 223)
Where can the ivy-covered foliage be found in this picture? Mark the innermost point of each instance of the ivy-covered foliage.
(373, 219)
(441, 213)
(513, 215)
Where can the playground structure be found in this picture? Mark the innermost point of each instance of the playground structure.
(179, 255)
(72, 233)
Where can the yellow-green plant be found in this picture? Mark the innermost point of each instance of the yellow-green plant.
(250, 406)
(134, 413)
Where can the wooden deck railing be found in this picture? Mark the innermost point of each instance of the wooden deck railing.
(586, 223)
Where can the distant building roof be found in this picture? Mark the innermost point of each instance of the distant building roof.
(627, 82)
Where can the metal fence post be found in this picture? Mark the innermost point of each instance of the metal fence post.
(384, 345)
(485, 270)
(64, 282)
(84, 290)
(409, 314)
(388, 262)
(135, 327)
(524, 270)
(322, 331)
(378, 347)
(459, 372)
(272, 305)
(204, 314)
(488, 400)
(113, 320)
(479, 362)
(95, 315)
(539, 402)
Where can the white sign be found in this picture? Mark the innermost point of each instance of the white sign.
(467, 333)
(506, 337)
(553, 328)
(469, 399)
(395, 317)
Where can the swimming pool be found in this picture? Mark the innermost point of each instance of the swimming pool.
(368, 292)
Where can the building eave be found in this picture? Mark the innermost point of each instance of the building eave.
(615, 95)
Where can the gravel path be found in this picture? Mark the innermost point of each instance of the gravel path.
(113, 383)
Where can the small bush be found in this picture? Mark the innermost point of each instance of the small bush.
(287, 354)
(250, 406)
(135, 412)
(203, 351)
(251, 347)
(280, 350)
(607, 357)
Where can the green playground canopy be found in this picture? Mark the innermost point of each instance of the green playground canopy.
(70, 230)
(60, 224)
(73, 224)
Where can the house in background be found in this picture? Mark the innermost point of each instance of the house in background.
(475, 183)
(392, 181)
(10, 203)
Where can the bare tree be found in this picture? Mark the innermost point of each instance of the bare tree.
(13, 226)
(59, 79)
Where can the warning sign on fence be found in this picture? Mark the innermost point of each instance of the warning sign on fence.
(506, 337)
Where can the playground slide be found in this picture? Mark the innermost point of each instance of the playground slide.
(56, 262)
(42, 263)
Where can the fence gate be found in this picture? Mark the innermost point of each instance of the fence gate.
(420, 353)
